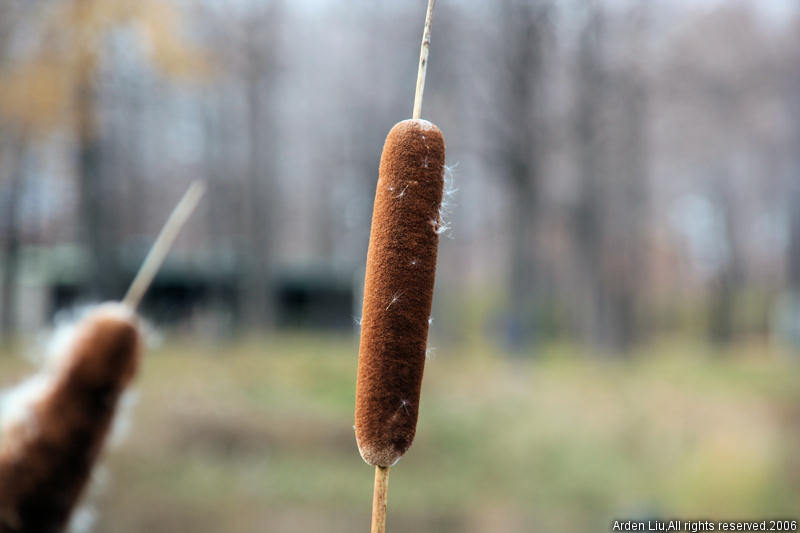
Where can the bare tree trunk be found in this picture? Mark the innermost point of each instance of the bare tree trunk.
(521, 156)
(722, 327)
(607, 220)
(626, 262)
(255, 286)
(520, 328)
(219, 207)
(587, 220)
(790, 314)
(794, 237)
(11, 16)
(793, 263)
(11, 243)
(256, 298)
(95, 224)
(790, 301)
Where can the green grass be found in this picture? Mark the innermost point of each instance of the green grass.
(257, 436)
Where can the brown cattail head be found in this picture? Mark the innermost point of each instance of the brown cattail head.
(398, 290)
(47, 456)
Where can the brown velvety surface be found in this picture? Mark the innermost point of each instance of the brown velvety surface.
(44, 471)
(398, 290)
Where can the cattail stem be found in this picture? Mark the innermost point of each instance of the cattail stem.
(423, 61)
(163, 243)
(379, 499)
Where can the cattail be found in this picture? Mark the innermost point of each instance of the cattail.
(398, 289)
(60, 418)
(47, 453)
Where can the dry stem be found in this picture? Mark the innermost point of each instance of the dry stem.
(423, 61)
(379, 499)
(163, 243)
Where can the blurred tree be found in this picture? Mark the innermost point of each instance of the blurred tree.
(558, 101)
(792, 98)
(793, 263)
(725, 87)
(57, 85)
(586, 214)
(609, 213)
(13, 13)
(259, 202)
(521, 129)
(241, 115)
(628, 251)
(729, 278)
(12, 157)
(794, 233)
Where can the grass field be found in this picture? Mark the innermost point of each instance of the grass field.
(257, 436)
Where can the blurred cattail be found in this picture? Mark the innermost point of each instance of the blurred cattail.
(54, 425)
(58, 427)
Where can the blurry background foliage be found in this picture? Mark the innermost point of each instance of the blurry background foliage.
(617, 315)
